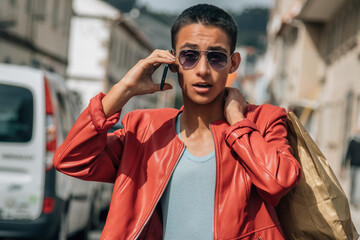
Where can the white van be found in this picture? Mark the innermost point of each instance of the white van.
(36, 201)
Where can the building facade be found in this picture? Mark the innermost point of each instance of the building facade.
(35, 33)
(315, 55)
(104, 45)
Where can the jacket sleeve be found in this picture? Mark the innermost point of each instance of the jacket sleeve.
(88, 152)
(266, 157)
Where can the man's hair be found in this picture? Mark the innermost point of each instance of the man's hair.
(208, 15)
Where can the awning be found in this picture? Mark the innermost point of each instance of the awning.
(319, 10)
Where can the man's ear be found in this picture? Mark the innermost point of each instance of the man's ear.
(235, 62)
(173, 67)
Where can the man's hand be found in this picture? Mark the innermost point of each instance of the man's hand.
(235, 106)
(137, 81)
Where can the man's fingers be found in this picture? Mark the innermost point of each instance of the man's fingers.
(161, 54)
(157, 61)
(167, 86)
(156, 65)
(232, 92)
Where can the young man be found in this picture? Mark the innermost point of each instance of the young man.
(213, 170)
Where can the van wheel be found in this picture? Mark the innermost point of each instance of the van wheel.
(62, 230)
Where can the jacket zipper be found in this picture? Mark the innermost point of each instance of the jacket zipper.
(162, 192)
(216, 168)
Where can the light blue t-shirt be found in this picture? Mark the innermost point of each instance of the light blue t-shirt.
(188, 200)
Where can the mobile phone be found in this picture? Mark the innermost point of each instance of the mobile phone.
(164, 73)
(164, 76)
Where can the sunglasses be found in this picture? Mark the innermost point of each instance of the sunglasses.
(188, 58)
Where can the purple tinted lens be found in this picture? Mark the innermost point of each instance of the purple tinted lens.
(217, 60)
(188, 58)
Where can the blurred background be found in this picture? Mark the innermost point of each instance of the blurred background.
(303, 55)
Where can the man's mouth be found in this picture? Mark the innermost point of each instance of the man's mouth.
(202, 85)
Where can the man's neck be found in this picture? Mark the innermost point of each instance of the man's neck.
(199, 116)
(195, 125)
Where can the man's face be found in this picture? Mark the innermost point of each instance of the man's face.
(203, 84)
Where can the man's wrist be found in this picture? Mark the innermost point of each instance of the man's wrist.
(123, 90)
(236, 117)
(116, 98)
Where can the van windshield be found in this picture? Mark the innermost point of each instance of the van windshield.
(16, 114)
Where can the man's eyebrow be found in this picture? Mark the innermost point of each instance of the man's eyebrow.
(189, 45)
(195, 46)
(218, 48)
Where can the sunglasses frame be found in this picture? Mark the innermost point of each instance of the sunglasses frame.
(203, 52)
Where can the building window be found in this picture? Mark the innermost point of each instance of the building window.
(39, 9)
(118, 53)
(345, 25)
(55, 13)
(126, 58)
(28, 6)
(12, 3)
(358, 111)
(122, 53)
(67, 15)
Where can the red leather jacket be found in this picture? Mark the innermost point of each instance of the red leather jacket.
(255, 169)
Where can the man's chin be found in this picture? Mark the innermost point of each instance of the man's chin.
(205, 100)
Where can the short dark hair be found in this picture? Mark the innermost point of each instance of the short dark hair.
(206, 14)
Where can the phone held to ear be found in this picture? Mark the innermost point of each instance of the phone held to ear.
(164, 74)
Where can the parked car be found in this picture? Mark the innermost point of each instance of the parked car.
(36, 201)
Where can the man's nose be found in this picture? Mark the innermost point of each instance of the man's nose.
(203, 67)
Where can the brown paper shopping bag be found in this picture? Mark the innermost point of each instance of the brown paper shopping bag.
(317, 208)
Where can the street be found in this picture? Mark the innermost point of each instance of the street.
(94, 234)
